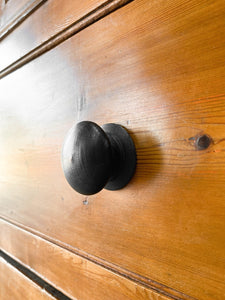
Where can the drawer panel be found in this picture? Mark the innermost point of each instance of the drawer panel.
(44, 27)
(156, 69)
(10, 10)
(15, 285)
(71, 273)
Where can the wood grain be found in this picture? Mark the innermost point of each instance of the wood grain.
(75, 276)
(15, 286)
(156, 68)
(60, 20)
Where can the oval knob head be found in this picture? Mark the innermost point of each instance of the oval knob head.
(87, 158)
(95, 157)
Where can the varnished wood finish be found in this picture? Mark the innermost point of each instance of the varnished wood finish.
(77, 277)
(15, 12)
(14, 285)
(10, 9)
(158, 69)
(60, 20)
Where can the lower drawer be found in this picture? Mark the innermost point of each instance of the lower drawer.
(70, 273)
(16, 286)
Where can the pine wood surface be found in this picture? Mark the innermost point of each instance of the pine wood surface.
(10, 9)
(156, 68)
(75, 276)
(13, 13)
(15, 286)
(54, 16)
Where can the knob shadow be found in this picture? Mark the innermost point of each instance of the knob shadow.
(149, 157)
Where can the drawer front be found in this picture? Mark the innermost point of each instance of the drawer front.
(157, 69)
(27, 25)
(70, 273)
(14, 285)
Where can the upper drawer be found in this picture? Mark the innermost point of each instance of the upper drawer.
(11, 11)
(157, 69)
(45, 27)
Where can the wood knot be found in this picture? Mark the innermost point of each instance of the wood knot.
(202, 142)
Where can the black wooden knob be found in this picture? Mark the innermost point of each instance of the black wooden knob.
(95, 157)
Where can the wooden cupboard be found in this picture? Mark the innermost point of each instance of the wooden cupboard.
(154, 67)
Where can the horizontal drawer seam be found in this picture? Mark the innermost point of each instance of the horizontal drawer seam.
(139, 279)
(87, 20)
(19, 17)
(34, 277)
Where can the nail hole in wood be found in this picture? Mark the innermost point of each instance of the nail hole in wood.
(85, 202)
